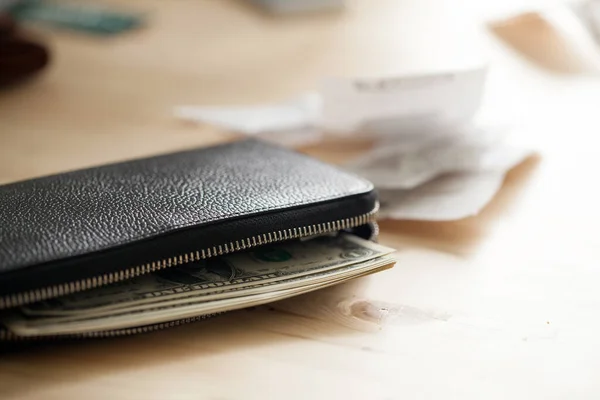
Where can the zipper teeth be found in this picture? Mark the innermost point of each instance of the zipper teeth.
(8, 336)
(18, 299)
(375, 229)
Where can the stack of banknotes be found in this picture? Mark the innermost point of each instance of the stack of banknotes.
(262, 275)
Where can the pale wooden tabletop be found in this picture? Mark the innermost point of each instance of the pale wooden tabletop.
(502, 305)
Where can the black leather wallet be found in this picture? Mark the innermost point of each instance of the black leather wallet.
(80, 230)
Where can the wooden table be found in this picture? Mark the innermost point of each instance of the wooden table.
(501, 305)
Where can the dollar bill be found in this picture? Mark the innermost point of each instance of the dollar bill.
(317, 278)
(222, 277)
(24, 325)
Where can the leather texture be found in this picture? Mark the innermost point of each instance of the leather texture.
(79, 213)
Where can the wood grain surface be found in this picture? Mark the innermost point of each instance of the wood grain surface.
(501, 305)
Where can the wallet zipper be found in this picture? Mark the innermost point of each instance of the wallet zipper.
(254, 241)
(32, 296)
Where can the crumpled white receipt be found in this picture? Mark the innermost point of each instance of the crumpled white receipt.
(396, 165)
(391, 104)
(445, 178)
(588, 14)
(447, 197)
(292, 122)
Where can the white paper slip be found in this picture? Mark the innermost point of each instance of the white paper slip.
(402, 165)
(442, 177)
(449, 197)
(588, 12)
(290, 122)
(403, 102)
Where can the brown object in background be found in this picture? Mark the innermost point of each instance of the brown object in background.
(7, 25)
(20, 57)
(541, 42)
